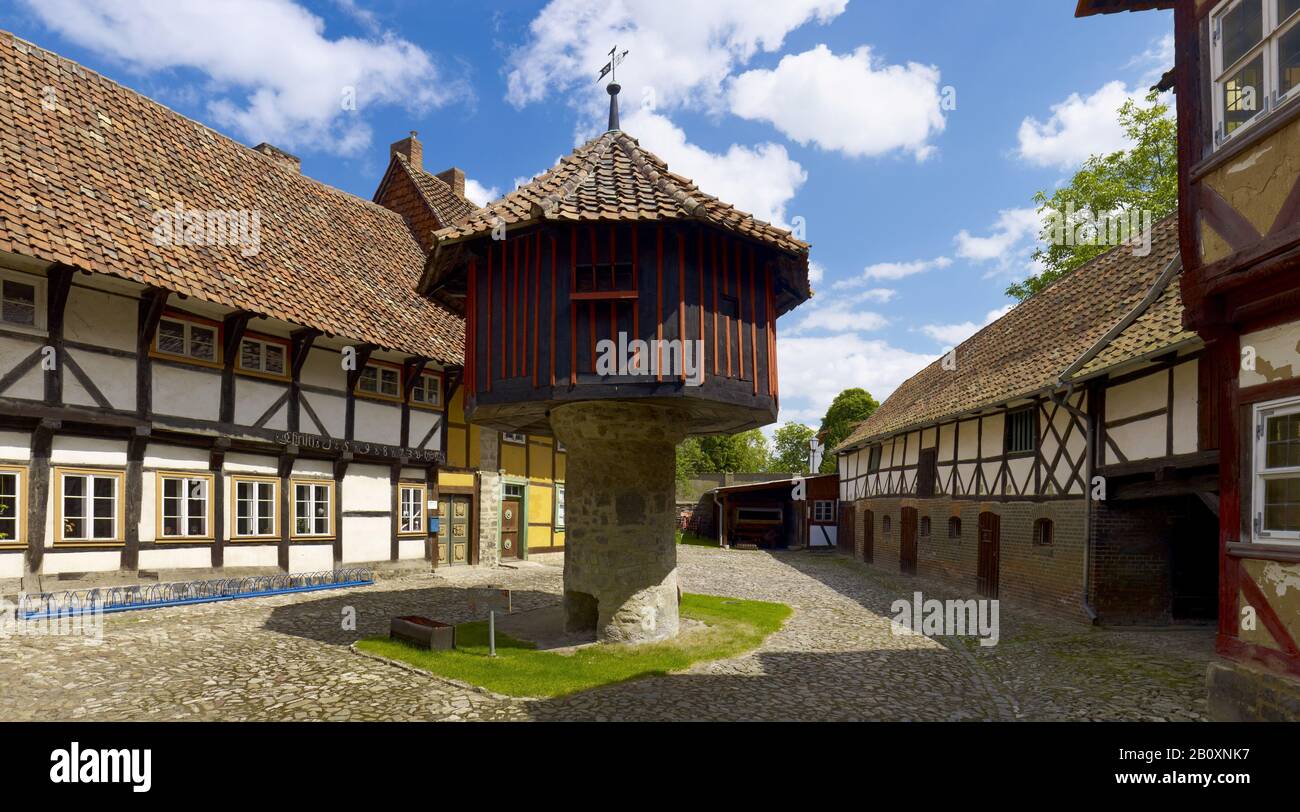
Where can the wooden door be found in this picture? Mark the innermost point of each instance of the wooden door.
(844, 536)
(869, 536)
(907, 548)
(511, 521)
(453, 535)
(986, 574)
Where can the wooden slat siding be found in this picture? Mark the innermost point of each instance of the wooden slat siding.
(753, 321)
(771, 342)
(716, 354)
(613, 284)
(740, 314)
(591, 306)
(553, 283)
(726, 320)
(681, 300)
(537, 301)
(487, 349)
(771, 323)
(471, 333)
(521, 341)
(505, 310)
(514, 314)
(636, 281)
(573, 308)
(659, 300)
(699, 273)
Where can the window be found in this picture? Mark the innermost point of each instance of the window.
(184, 506)
(1021, 428)
(1255, 61)
(12, 500)
(189, 338)
(514, 437)
(265, 356)
(559, 506)
(90, 506)
(925, 526)
(512, 491)
(886, 525)
(1043, 532)
(381, 381)
(22, 300)
(873, 459)
(313, 514)
(255, 507)
(954, 527)
(1276, 488)
(410, 499)
(427, 390)
(824, 510)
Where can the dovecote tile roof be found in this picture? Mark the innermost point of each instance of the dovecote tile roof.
(86, 165)
(1027, 350)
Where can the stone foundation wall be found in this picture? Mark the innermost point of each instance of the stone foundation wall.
(489, 501)
(1244, 693)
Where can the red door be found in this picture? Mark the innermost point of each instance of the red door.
(510, 523)
(986, 574)
(844, 536)
(907, 550)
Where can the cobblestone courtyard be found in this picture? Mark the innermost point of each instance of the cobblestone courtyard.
(836, 659)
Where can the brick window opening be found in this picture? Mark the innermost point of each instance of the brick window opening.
(954, 527)
(886, 525)
(1044, 532)
(925, 526)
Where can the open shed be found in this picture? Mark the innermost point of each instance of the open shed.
(781, 513)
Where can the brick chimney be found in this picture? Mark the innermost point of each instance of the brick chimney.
(410, 148)
(283, 159)
(455, 178)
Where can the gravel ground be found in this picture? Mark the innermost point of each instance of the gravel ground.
(836, 658)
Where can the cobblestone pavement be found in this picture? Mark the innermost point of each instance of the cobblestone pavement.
(287, 658)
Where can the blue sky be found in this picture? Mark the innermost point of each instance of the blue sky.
(833, 114)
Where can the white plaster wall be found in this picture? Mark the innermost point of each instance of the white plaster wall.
(365, 538)
(311, 557)
(1279, 348)
(250, 464)
(11, 565)
(1186, 405)
(101, 319)
(324, 368)
(31, 386)
(1139, 441)
(314, 469)
(15, 446)
(366, 487)
(53, 563)
(1021, 472)
(1136, 397)
(411, 548)
(912, 448)
(253, 397)
(331, 409)
(114, 377)
(991, 438)
(968, 440)
(928, 437)
(243, 554)
(193, 393)
(422, 421)
(183, 558)
(946, 433)
(175, 458)
(71, 450)
(378, 422)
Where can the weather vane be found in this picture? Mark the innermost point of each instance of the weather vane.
(615, 58)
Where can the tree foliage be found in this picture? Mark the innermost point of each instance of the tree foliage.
(790, 448)
(1142, 178)
(742, 453)
(849, 408)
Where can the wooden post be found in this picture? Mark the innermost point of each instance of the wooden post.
(232, 328)
(301, 344)
(56, 301)
(38, 491)
(151, 307)
(135, 449)
(216, 464)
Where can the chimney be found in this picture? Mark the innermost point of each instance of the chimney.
(286, 161)
(410, 149)
(455, 178)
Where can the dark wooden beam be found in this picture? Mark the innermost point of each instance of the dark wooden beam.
(340, 471)
(38, 492)
(364, 351)
(59, 285)
(135, 448)
(152, 303)
(233, 327)
(301, 343)
(412, 369)
(284, 469)
(216, 465)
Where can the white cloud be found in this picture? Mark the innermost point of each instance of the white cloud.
(850, 103)
(892, 270)
(950, 335)
(1078, 127)
(478, 194)
(277, 76)
(815, 272)
(681, 51)
(760, 179)
(814, 369)
(1006, 239)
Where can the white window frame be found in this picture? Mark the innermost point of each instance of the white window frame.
(263, 343)
(559, 506)
(255, 515)
(41, 286)
(87, 517)
(188, 324)
(378, 392)
(829, 504)
(1273, 31)
(19, 517)
(313, 501)
(431, 381)
(518, 438)
(1260, 474)
(184, 516)
(411, 510)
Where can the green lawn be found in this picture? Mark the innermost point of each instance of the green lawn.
(733, 627)
(699, 541)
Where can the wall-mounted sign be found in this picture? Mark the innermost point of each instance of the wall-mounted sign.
(320, 443)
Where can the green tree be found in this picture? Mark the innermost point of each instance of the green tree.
(690, 459)
(790, 448)
(743, 453)
(1143, 178)
(849, 408)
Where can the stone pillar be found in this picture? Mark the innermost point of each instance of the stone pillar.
(620, 556)
(489, 500)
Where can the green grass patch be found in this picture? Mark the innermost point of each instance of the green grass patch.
(733, 626)
(698, 541)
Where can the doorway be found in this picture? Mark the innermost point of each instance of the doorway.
(844, 536)
(907, 548)
(512, 508)
(869, 536)
(453, 538)
(990, 543)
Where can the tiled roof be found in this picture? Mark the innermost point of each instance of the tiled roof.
(1087, 8)
(445, 204)
(611, 177)
(86, 165)
(1028, 349)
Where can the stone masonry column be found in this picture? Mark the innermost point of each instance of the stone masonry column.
(620, 557)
